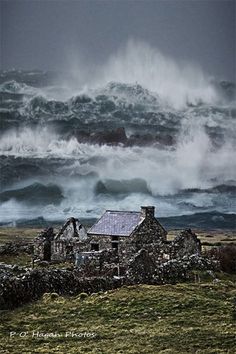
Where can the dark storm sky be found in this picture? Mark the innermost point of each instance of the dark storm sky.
(40, 34)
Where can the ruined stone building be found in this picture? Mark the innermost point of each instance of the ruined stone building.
(114, 240)
(61, 246)
(70, 239)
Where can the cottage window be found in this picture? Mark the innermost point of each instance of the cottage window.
(115, 242)
(114, 245)
(94, 247)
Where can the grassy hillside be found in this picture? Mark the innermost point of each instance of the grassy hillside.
(183, 318)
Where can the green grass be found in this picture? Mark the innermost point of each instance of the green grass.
(183, 318)
(16, 234)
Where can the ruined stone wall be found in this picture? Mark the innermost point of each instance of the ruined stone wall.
(32, 284)
(143, 268)
(43, 244)
(185, 244)
(19, 286)
(63, 250)
(58, 250)
(39, 248)
(102, 263)
(72, 229)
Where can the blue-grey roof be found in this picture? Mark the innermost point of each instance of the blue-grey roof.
(116, 223)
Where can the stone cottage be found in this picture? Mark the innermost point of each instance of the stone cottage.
(114, 239)
(127, 232)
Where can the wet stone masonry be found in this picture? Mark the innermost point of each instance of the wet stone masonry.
(121, 233)
(19, 285)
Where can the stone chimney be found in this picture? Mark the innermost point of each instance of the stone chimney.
(148, 211)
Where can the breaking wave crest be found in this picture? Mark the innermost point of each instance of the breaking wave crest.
(177, 83)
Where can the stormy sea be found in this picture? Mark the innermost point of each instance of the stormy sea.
(142, 130)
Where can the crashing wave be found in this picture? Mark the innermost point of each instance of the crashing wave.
(16, 87)
(34, 194)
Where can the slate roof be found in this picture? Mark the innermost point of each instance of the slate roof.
(116, 223)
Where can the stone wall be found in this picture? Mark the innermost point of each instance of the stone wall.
(143, 268)
(124, 250)
(42, 244)
(63, 250)
(102, 263)
(149, 231)
(20, 285)
(72, 229)
(185, 244)
(31, 284)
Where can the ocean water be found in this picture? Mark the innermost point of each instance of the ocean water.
(142, 130)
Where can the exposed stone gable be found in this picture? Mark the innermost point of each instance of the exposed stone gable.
(149, 231)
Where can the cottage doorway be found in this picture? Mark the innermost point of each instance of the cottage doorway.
(47, 251)
(69, 251)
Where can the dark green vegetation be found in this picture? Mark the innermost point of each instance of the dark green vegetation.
(183, 318)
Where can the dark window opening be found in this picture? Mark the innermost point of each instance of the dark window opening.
(94, 247)
(115, 238)
(114, 245)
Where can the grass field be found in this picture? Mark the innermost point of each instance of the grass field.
(14, 234)
(183, 318)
